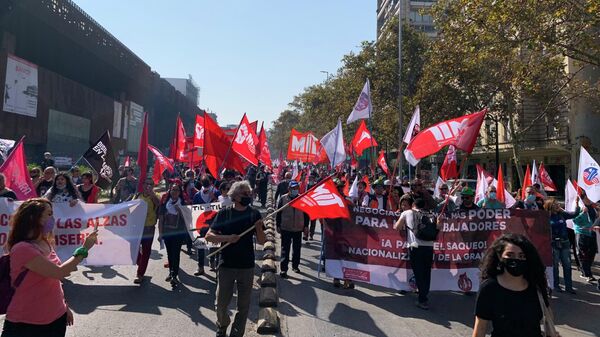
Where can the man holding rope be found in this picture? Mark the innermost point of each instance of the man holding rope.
(236, 265)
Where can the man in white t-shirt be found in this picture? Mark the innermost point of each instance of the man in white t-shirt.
(420, 251)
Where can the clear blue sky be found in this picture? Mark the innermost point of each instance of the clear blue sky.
(246, 55)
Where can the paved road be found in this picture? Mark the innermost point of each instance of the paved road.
(313, 307)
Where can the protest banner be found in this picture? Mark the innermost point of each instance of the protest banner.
(366, 248)
(119, 226)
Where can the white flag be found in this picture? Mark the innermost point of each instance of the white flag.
(439, 183)
(295, 170)
(333, 144)
(363, 107)
(589, 175)
(571, 200)
(414, 126)
(353, 192)
(5, 146)
(482, 185)
(535, 176)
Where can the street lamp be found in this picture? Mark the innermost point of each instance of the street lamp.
(326, 74)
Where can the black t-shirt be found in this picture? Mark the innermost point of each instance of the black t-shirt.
(43, 187)
(230, 221)
(513, 313)
(8, 194)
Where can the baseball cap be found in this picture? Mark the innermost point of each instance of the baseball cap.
(294, 184)
(467, 191)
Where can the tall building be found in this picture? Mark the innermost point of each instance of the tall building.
(187, 87)
(412, 12)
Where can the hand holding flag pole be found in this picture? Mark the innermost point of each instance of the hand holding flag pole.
(253, 227)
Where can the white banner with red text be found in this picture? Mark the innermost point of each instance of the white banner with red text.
(119, 226)
(199, 218)
(367, 249)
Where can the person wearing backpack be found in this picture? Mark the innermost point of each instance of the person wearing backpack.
(422, 229)
(37, 307)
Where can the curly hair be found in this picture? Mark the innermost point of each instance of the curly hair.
(25, 223)
(534, 274)
(70, 187)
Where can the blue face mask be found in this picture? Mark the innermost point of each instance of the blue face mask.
(492, 195)
(530, 198)
(293, 192)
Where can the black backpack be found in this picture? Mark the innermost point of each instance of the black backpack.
(424, 226)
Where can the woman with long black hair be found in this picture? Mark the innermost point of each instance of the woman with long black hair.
(172, 229)
(63, 190)
(513, 295)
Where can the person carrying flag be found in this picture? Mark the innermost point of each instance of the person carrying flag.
(291, 223)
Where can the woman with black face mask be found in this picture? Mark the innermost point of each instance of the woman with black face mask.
(513, 295)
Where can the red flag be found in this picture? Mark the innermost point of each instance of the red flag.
(363, 139)
(304, 182)
(302, 146)
(346, 187)
(323, 201)
(448, 169)
(500, 186)
(526, 182)
(142, 160)
(164, 162)
(264, 153)
(381, 162)
(181, 143)
(365, 179)
(216, 146)
(245, 141)
(127, 162)
(546, 180)
(17, 174)
(254, 126)
(461, 132)
(199, 132)
(157, 172)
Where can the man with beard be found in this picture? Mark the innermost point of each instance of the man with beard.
(417, 191)
(291, 223)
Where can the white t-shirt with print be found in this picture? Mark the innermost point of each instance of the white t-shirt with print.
(408, 217)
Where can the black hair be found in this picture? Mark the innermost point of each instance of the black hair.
(419, 203)
(535, 273)
(69, 186)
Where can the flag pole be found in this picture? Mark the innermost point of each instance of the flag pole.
(230, 145)
(268, 215)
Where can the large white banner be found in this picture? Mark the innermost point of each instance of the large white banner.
(119, 226)
(21, 87)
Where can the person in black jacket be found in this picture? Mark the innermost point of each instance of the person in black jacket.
(282, 187)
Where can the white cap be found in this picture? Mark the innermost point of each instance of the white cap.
(387, 182)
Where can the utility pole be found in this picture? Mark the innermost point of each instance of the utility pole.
(400, 114)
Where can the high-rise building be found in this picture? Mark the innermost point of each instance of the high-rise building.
(415, 13)
(187, 87)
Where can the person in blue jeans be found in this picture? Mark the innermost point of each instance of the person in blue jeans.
(561, 247)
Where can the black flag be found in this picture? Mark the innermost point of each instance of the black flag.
(101, 158)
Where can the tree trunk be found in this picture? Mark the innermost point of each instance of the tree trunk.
(514, 138)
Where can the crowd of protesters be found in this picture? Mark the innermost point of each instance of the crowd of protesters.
(511, 269)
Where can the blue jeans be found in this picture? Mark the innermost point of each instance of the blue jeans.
(561, 251)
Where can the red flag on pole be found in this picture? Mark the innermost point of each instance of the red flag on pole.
(127, 162)
(382, 163)
(363, 139)
(216, 146)
(365, 179)
(526, 182)
(164, 162)
(500, 186)
(264, 153)
(545, 179)
(180, 152)
(448, 169)
(254, 126)
(199, 132)
(461, 132)
(245, 141)
(142, 160)
(17, 174)
(323, 201)
(157, 172)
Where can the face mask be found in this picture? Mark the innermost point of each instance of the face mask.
(294, 193)
(515, 267)
(245, 201)
(530, 198)
(492, 195)
(48, 226)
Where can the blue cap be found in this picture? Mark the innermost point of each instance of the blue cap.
(294, 184)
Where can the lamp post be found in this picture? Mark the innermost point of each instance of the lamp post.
(326, 74)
